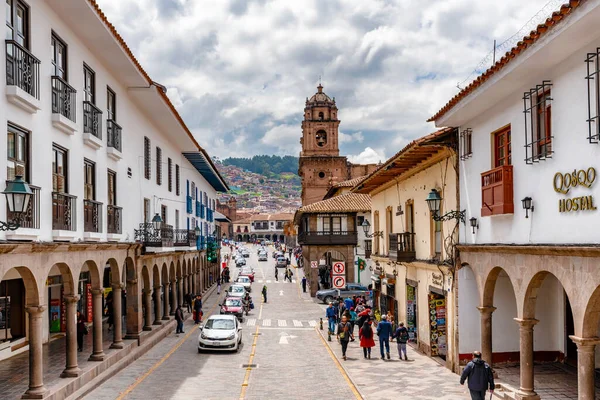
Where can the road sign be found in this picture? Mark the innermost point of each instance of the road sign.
(339, 281)
(314, 265)
(339, 268)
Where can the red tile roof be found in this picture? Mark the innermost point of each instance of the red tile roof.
(521, 46)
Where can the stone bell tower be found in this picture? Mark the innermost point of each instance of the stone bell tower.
(320, 162)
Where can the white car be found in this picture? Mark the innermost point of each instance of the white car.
(236, 290)
(262, 256)
(240, 261)
(245, 282)
(220, 332)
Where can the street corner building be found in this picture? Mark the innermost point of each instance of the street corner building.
(529, 132)
(413, 258)
(123, 197)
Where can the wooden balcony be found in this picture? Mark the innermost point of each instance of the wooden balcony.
(113, 219)
(92, 216)
(402, 247)
(64, 216)
(328, 238)
(497, 191)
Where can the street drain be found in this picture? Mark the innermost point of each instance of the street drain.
(249, 365)
(257, 334)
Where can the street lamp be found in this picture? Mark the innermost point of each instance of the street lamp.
(367, 227)
(197, 231)
(434, 201)
(18, 194)
(527, 205)
(156, 221)
(474, 224)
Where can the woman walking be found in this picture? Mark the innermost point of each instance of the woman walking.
(344, 334)
(365, 334)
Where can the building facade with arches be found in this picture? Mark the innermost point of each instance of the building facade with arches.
(528, 127)
(123, 200)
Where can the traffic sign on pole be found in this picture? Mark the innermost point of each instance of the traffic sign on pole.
(339, 281)
(339, 268)
(314, 264)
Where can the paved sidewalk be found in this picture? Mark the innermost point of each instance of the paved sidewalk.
(419, 378)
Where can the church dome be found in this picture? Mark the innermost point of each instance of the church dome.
(320, 97)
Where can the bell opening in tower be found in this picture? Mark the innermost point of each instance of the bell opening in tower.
(321, 138)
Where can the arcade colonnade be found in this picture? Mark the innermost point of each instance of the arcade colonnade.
(546, 299)
(152, 285)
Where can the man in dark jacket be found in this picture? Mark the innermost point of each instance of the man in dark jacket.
(198, 309)
(384, 331)
(179, 319)
(480, 377)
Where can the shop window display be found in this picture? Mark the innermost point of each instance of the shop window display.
(437, 324)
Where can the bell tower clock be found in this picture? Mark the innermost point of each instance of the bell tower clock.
(320, 162)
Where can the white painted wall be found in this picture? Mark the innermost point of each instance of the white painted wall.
(549, 333)
(505, 330)
(469, 319)
(135, 124)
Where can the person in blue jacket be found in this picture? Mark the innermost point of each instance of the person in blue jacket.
(331, 315)
(384, 331)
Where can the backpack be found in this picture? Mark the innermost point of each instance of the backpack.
(367, 332)
(403, 336)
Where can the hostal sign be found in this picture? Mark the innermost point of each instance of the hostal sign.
(564, 182)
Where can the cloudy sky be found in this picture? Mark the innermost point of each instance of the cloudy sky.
(239, 71)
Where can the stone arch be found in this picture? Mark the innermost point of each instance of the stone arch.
(95, 276)
(238, 238)
(67, 277)
(591, 319)
(489, 286)
(155, 275)
(334, 255)
(532, 291)
(164, 274)
(146, 277)
(172, 271)
(469, 298)
(115, 271)
(32, 292)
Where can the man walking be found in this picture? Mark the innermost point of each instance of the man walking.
(198, 309)
(264, 293)
(276, 278)
(401, 336)
(331, 315)
(304, 284)
(179, 319)
(480, 377)
(384, 330)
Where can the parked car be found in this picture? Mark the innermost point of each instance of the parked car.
(233, 306)
(240, 261)
(281, 262)
(245, 253)
(351, 289)
(262, 256)
(236, 290)
(245, 281)
(220, 332)
(247, 271)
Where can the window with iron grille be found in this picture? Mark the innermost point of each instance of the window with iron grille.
(466, 144)
(177, 183)
(593, 83)
(158, 166)
(147, 159)
(170, 173)
(537, 103)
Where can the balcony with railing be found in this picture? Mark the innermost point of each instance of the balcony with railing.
(328, 238)
(92, 125)
(92, 216)
(22, 77)
(64, 212)
(113, 140)
(497, 191)
(64, 108)
(113, 219)
(402, 246)
(368, 248)
(30, 219)
(155, 236)
(184, 238)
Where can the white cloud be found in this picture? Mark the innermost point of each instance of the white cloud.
(247, 66)
(368, 156)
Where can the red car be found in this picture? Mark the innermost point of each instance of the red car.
(234, 306)
(247, 272)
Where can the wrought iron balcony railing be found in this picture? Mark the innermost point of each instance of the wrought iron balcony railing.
(113, 219)
(64, 212)
(152, 236)
(92, 119)
(22, 69)
(31, 218)
(92, 216)
(184, 238)
(113, 133)
(63, 98)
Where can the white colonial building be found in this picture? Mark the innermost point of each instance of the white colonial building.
(529, 288)
(120, 185)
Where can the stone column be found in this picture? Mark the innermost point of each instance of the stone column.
(98, 352)
(486, 333)
(157, 306)
(36, 390)
(71, 369)
(118, 317)
(167, 308)
(180, 291)
(147, 310)
(526, 389)
(173, 295)
(586, 362)
(185, 285)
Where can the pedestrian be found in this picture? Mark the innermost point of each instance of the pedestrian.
(276, 278)
(198, 309)
(331, 315)
(348, 302)
(344, 335)
(110, 312)
(304, 284)
(188, 302)
(179, 319)
(365, 335)
(81, 331)
(219, 285)
(384, 330)
(264, 293)
(290, 275)
(480, 377)
(401, 336)
(353, 318)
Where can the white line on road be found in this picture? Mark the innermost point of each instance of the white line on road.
(268, 281)
(297, 323)
(281, 322)
(251, 322)
(266, 322)
(281, 292)
(312, 323)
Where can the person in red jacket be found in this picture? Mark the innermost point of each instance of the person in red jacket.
(365, 334)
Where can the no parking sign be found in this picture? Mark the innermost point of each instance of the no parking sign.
(339, 281)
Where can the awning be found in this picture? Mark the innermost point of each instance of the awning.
(220, 217)
(375, 278)
(202, 165)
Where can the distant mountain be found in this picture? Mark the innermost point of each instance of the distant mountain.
(266, 165)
